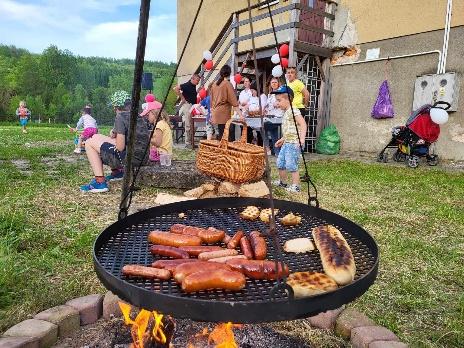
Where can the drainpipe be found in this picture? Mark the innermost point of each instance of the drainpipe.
(444, 55)
(397, 57)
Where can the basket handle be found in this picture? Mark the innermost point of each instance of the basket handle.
(225, 135)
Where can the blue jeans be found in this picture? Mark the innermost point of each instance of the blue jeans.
(289, 157)
(272, 129)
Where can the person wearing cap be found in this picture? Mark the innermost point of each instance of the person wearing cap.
(161, 142)
(300, 92)
(293, 137)
(150, 98)
(101, 149)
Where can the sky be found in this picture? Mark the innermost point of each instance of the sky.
(102, 28)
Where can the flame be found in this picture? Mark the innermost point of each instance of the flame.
(223, 336)
(140, 324)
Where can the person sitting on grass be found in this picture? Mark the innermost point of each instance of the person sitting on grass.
(89, 124)
(23, 114)
(162, 136)
(101, 149)
(289, 154)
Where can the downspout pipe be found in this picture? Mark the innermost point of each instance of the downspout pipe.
(444, 55)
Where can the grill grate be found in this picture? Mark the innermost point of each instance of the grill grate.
(129, 245)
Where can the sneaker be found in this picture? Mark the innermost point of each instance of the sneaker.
(115, 177)
(95, 187)
(279, 183)
(24, 131)
(293, 188)
(78, 151)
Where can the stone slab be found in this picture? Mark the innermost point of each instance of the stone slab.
(111, 306)
(362, 336)
(90, 308)
(348, 320)
(66, 317)
(44, 331)
(19, 342)
(387, 344)
(325, 320)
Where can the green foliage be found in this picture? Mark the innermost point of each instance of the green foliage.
(56, 84)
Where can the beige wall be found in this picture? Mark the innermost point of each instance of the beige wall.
(383, 19)
(213, 15)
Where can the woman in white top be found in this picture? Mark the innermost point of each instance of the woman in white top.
(272, 112)
(244, 96)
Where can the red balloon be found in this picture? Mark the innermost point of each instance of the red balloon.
(209, 65)
(284, 63)
(283, 50)
(202, 93)
(237, 78)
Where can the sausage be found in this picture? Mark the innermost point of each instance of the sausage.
(146, 272)
(233, 243)
(177, 228)
(258, 244)
(172, 239)
(218, 279)
(169, 251)
(185, 269)
(226, 238)
(171, 265)
(227, 258)
(258, 269)
(246, 247)
(215, 254)
(197, 250)
(192, 230)
(211, 235)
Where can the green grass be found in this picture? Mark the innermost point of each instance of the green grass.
(47, 228)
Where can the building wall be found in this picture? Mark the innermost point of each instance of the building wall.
(355, 89)
(213, 15)
(399, 17)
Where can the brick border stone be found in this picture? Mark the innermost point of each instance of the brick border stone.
(66, 317)
(90, 307)
(44, 331)
(19, 342)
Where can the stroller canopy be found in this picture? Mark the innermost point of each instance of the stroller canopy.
(422, 125)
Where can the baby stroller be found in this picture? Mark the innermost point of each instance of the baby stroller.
(413, 140)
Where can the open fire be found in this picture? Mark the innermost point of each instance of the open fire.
(151, 329)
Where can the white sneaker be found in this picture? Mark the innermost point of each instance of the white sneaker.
(293, 188)
(279, 183)
(77, 150)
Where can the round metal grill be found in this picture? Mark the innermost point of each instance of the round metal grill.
(125, 242)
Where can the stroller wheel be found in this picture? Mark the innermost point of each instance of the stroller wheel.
(382, 157)
(432, 160)
(413, 161)
(398, 156)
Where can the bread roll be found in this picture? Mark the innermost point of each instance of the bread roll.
(337, 259)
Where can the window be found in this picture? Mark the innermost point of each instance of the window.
(271, 3)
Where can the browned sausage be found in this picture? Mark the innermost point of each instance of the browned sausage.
(227, 258)
(192, 230)
(258, 269)
(215, 254)
(211, 235)
(177, 228)
(226, 238)
(171, 265)
(258, 244)
(233, 243)
(197, 250)
(172, 239)
(246, 248)
(218, 279)
(169, 251)
(146, 272)
(185, 269)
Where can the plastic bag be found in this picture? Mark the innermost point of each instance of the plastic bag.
(383, 107)
(329, 141)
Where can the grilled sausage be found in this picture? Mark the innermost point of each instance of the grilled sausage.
(146, 272)
(185, 269)
(197, 250)
(258, 269)
(171, 265)
(169, 251)
(192, 230)
(172, 239)
(211, 235)
(258, 244)
(215, 254)
(177, 228)
(226, 238)
(246, 247)
(218, 279)
(233, 243)
(227, 258)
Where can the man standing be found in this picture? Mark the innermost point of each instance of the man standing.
(301, 94)
(187, 92)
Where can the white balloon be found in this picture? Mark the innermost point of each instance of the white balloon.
(275, 58)
(438, 116)
(207, 55)
(277, 71)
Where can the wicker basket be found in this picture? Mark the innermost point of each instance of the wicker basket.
(237, 161)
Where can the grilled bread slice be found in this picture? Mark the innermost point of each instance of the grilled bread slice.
(250, 213)
(305, 284)
(336, 256)
(265, 214)
(298, 245)
(291, 220)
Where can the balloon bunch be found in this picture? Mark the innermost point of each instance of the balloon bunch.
(280, 57)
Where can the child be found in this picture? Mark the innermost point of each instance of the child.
(23, 114)
(289, 154)
(162, 137)
(89, 124)
(210, 127)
